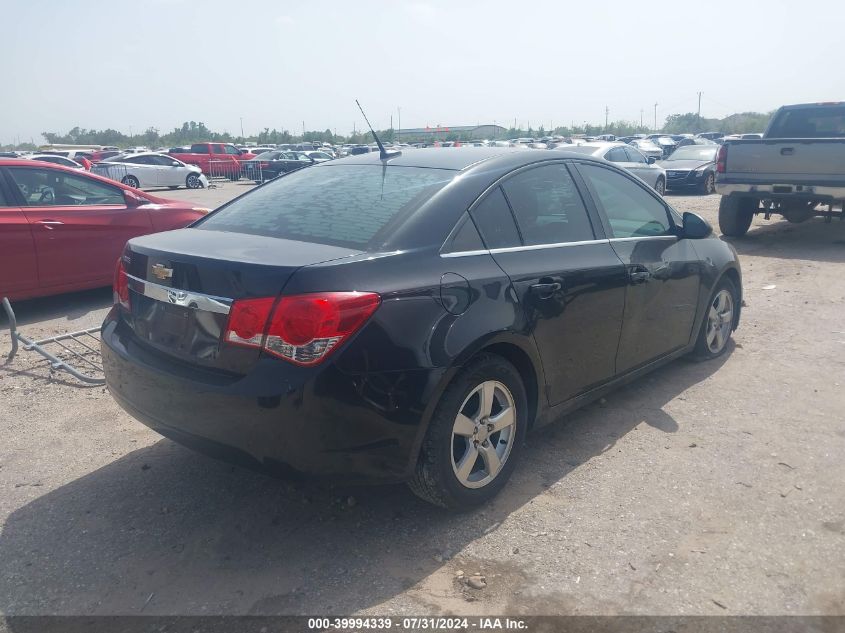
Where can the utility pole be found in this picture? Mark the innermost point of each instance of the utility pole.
(698, 118)
(641, 117)
(606, 115)
(655, 117)
(303, 130)
(242, 129)
(399, 123)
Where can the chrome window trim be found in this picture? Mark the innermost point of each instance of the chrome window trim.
(184, 298)
(644, 237)
(517, 249)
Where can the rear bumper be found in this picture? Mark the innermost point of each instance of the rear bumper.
(279, 419)
(780, 190)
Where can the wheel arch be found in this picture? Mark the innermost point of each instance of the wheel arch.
(518, 350)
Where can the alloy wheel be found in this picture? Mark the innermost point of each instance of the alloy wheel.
(719, 321)
(193, 182)
(660, 187)
(709, 184)
(483, 434)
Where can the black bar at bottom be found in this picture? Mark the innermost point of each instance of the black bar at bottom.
(437, 624)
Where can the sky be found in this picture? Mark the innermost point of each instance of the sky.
(130, 65)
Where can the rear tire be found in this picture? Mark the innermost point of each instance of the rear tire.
(718, 322)
(735, 215)
(131, 181)
(472, 443)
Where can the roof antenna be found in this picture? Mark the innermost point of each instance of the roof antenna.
(383, 153)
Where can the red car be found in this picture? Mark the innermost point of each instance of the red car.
(62, 230)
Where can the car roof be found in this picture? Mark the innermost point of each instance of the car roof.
(435, 157)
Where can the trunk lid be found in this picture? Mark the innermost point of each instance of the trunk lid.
(182, 284)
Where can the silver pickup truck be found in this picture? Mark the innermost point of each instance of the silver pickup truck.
(796, 170)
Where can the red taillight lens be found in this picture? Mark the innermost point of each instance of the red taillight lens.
(120, 287)
(264, 165)
(722, 159)
(247, 320)
(302, 329)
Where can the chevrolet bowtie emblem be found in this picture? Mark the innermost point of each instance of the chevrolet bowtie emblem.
(160, 271)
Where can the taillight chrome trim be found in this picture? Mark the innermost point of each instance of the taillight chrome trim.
(184, 298)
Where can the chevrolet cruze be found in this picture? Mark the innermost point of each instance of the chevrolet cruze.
(410, 317)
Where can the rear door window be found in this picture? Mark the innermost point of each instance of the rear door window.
(357, 206)
(495, 222)
(547, 206)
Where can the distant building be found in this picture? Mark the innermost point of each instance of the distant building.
(444, 131)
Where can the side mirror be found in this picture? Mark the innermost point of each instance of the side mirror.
(133, 201)
(695, 227)
(651, 160)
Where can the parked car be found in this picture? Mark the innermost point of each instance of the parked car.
(152, 170)
(318, 156)
(695, 141)
(798, 165)
(692, 167)
(626, 157)
(411, 318)
(710, 135)
(648, 148)
(666, 144)
(103, 154)
(224, 157)
(63, 229)
(56, 160)
(273, 164)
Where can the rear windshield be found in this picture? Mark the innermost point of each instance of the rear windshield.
(357, 206)
(810, 122)
(694, 152)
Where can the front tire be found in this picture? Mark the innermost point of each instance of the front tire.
(718, 321)
(660, 186)
(475, 436)
(735, 215)
(709, 184)
(193, 181)
(131, 181)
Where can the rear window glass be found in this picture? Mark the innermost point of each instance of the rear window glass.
(810, 122)
(346, 205)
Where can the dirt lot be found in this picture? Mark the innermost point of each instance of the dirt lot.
(702, 489)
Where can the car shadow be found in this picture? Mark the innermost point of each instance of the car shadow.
(814, 239)
(70, 306)
(162, 530)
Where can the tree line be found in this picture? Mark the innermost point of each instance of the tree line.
(196, 132)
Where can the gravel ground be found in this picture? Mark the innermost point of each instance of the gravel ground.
(712, 488)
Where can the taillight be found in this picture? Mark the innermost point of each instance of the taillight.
(263, 165)
(722, 159)
(120, 287)
(302, 329)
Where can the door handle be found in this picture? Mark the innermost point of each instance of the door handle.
(545, 290)
(639, 276)
(787, 151)
(49, 224)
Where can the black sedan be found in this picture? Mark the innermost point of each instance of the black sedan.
(410, 318)
(269, 165)
(692, 167)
